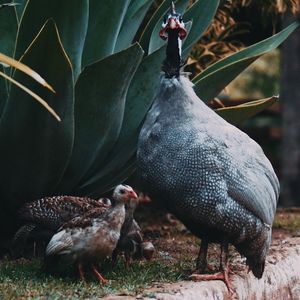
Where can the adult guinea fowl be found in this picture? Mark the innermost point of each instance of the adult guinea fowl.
(208, 173)
(89, 239)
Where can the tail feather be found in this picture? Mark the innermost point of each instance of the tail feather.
(257, 267)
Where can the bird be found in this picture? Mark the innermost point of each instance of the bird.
(89, 239)
(131, 240)
(43, 217)
(212, 176)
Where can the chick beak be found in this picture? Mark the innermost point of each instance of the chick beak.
(132, 195)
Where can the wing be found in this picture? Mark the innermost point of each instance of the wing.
(250, 178)
(86, 219)
(61, 243)
(53, 212)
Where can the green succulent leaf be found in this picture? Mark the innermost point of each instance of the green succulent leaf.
(3, 91)
(155, 41)
(239, 113)
(99, 110)
(132, 21)
(35, 148)
(8, 29)
(210, 86)
(157, 15)
(20, 8)
(211, 81)
(72, 26)
(139, 99)
(201, 14)
(112, 179)
(105, 21)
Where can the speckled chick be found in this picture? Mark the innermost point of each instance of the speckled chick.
(131, 236)
(208, 173)
(44, 216)
(89, 239)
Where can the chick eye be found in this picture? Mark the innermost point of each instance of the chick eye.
(165, 19)
(180, 19)
(122, 191)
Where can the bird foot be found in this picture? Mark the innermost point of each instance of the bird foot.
(217, 276)
(99, 276)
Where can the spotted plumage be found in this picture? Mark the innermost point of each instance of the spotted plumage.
(208, 173)
(44, 216)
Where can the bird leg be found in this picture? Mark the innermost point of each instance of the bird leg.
(202, 257)
(128, 260)
(98, 275)
(81, 272)
(224, 269)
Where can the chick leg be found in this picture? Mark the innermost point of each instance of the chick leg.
(81, 272)
(98, 275)
(128, 260)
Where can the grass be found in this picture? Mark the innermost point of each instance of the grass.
(22, 279)
(175, 256)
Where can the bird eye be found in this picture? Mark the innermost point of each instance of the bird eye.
(180, 19)
(122, 191)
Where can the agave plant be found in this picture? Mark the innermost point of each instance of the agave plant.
(105, 78)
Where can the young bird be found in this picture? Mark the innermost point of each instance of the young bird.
(89, 239)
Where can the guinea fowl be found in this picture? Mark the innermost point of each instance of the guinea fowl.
(208, 173)
(45, 216)
(89, 239)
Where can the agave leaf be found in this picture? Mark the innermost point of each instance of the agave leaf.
(239, 113)
(99, 110)
(140, 96)
(201, 13)
(19, 8)
(35, 148)
(111, 180)
(31, 93)
(20, 66)
(72, 26)
(3, 91)
(250, 53)
(146, 35)
(132, 21)
(105, 20)
(211, 85)
(8, 30)
(155, 41)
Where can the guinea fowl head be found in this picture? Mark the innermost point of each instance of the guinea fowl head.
(173, 22)
(174, 31)
(124, 193)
